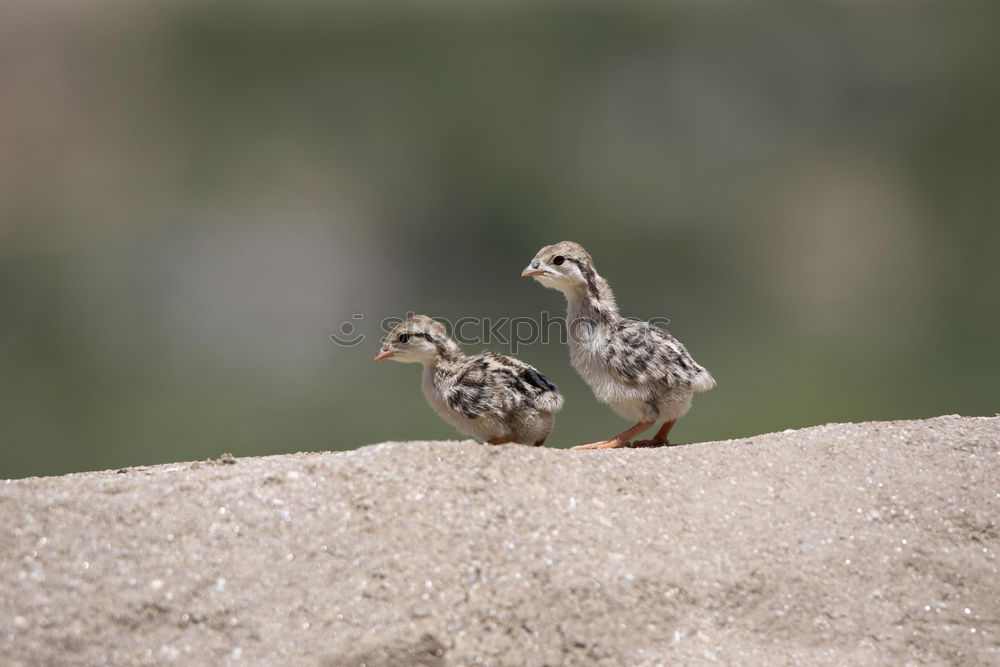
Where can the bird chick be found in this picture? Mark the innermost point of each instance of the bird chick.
(641, 371)
(492, 397)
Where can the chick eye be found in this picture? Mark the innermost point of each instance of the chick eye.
(403, 338)
(558, 259)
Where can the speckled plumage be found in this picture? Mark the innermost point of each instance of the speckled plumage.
(489, 396)
(642, 372)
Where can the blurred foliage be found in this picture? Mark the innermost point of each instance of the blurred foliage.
(194, 197)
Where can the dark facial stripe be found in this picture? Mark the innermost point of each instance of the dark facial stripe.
(590, 275)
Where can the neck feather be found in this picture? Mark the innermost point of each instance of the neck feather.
(447, 350)
(594, 300)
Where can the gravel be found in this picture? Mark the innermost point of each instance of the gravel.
(857, 544)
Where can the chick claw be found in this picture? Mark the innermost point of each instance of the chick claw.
(604, 444)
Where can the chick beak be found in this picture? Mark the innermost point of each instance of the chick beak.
(533, 270)
(384, 354)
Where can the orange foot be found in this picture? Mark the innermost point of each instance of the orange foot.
(659, 439)
(604, 444)
(620, 440)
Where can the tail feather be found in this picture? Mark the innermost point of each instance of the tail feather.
(550, 401)
(703, 381)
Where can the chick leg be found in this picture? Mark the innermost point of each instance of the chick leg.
(660, 438)
(500, 441)
(620, 440)
(539, 443)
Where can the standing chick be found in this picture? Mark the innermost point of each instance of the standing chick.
(492, 397)
(642, 372)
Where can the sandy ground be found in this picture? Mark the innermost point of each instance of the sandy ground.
(842, 544)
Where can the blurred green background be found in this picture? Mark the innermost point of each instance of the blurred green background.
(194, 196)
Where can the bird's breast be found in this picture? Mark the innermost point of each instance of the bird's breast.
(586, 355)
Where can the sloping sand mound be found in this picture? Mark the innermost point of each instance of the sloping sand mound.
(852, 544)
